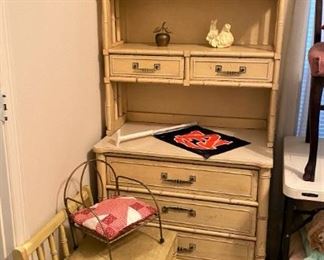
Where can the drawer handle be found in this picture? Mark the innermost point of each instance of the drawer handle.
(164, 177)
(191, 212)
(137, 68)
(219, 70)
(188, 250)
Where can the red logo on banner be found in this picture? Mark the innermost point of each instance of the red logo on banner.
(199, 140)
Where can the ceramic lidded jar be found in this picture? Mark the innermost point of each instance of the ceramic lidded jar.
(162, 35)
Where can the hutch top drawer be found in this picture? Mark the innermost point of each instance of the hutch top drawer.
(203, 68)
(146, 66)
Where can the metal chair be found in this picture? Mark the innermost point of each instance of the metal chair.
(316, 61)
(83, 207)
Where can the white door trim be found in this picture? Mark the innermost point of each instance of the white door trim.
(11, 138)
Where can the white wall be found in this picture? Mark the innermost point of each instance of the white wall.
(55, 77)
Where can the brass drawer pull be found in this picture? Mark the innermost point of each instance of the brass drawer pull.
(136, 67)
(191, 212)
(187, 250)
(219, 70)
(164, 177)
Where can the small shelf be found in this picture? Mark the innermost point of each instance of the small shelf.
(255, 154)
(237, 51)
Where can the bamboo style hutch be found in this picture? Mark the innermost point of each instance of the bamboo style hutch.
(219, 206)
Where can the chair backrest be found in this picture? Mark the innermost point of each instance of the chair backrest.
(318, 21)
(37, 243)
(52, 235)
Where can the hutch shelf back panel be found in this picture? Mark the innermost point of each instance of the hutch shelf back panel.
(231, 90)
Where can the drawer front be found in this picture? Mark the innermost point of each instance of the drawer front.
(146, 66)
(188, 179)
(193, 246)
(203, 215)
(231, 69)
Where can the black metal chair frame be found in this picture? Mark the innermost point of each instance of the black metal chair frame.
(82, 204)
(317, 84)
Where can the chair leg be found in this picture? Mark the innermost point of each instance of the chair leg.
(314, 113)
(160, 227)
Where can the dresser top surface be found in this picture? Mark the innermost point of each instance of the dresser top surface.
(255, 154)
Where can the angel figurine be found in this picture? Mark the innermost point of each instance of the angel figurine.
(220, 40)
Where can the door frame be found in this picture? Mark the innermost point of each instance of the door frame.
(14, 224)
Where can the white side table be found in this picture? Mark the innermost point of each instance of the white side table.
(295, 188)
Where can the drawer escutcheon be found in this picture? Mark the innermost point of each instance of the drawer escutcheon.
(187, 250)
(219, 69)
(164, 177)
(191, 212)
(136, 67)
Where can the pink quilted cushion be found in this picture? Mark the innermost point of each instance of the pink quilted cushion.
(117, 216)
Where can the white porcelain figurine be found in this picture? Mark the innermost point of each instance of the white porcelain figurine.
(220, 40)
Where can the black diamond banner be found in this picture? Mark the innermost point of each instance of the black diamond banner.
(202, 141)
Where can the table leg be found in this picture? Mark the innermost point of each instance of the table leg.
(289, 209)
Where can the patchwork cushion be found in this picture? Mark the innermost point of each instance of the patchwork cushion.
(117, 216)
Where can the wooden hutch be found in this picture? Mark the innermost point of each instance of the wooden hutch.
(219, 206)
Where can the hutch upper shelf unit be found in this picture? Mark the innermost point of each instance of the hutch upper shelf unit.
(188, 65)
(218, 206)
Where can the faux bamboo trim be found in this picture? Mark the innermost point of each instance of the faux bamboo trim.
(266, 54)
(205, 232)
(187, 71)
(280, 26)
(170, 52)
(192, 82)
(120, 100)
(146, 80)
(231, 84)
(263, 195)
(272, 115)
(115, 96)
(40, 253)
(63, 241)
(102, 171)
(147, 52)
(113, 21)
(106, 69)
(117, 16)
(52, 246)
(109, 106)
(190, 196)
(105, 31)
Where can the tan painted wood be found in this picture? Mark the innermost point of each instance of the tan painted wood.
(262, 219)
(204, 215)
(254, 155)
(254, 69)
(184, 14)
(227, 182)
(147, 66)
(228, 122)
(102, 193)
(53, 249)
(34, 243)
(243, 105)
(211, 247)
(63, 241)
(243, 51)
